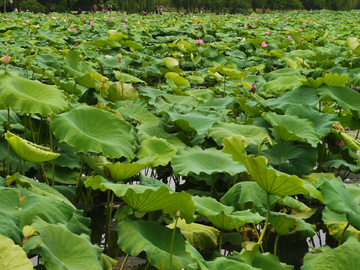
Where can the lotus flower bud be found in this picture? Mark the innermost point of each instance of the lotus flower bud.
(6, 59)
(253, 88)
(178, 213)
(28, 231)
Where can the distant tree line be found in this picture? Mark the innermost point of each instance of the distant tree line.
(186, 6)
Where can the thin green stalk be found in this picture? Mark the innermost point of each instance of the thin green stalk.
(32, 131)
(42, 167)
(19, 165)
(147, 266)
(276, 243)
(80, 173)
(107, 218)
(123, 264)
(266, 220)
(8, 147)
(224, 86)
(212, 187)
(87, 201)
(235, 178)
(343, 233)
(172, 244)
(340, 113)
(220, 241)
(281, 149)
(121, 81)
(357, 134)
(257, 235)
(110, 214)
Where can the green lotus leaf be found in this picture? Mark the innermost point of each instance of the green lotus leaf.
(139, 114)
(63, 175)
(338, 163)
(283, 223)
(177, 79)
(292, 128)
(195, 79)
(209, 161)
(180, 102)
(223, 217)
(116, 92)
(344, 257)
(138, 236)
(127, 78)
(201, 94)
(158, 149)
(252, 134)
(353, 44)
(280, 85)
(61, 249)
(30, 96)
(96, 163)
(350, 141)
(227, 264)
(296, 159)
(235, 145)
(247, 195)
(88, 129)
(301, 95)
(24, 205)
(195, 120)
(228, 71)
(305, 54)
(9, 227)
(338, 199)
(147, 199)
(122, 172)
(29, 151)
(199, 236)
(107, 263)
(172, 64)
(323, 121)
(294, 204)
(13, 257)
(133, 45)
(348, 99)
(217, 104)
(109, 62)
(328, 79)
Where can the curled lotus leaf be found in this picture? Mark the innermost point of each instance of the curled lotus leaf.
(30, 96)
(12, 257)
(29, 151)
(88, 129)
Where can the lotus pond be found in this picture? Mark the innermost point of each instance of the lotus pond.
(194, 142)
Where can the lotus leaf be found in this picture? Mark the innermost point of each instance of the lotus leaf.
(122, 91)
(147, 199)
(29, 151)
(177, 79)
(89, 129)
(210, 161)
(200, 236)
(127, 78)
(228, 264)
(81, 254)
(138, 236)
(30, 96)
(12, 256)
(292, 128)
(279, 85)
(9, 227)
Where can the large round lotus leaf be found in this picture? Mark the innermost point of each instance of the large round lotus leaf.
(29, 151)
(121, 171)
(30, 96)
(292, 128)
(9, 227)
(12, 257)
(348, 99)
(227, 264)
(209, 161)
(338, 199)
(345, 257)
(61, 249)
(148, 199)
(88, 129)
(279, 85)
(138, 236)
(200, 236)
(222, 216)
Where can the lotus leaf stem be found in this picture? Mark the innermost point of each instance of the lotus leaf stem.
(257, 234)
(147, 266)
(87, 200)
(281, 149)
(107, 219)
(110, 214)
(19, 165)
(266, 220)
(220, 241)
(8, 144)
(80, 173)
(276, 243)
(123, 264)
(42, 167)
(357, 134)
(172, 244)
(343, 233)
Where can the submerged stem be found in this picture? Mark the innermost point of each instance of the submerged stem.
(343, 233)
(266, 220)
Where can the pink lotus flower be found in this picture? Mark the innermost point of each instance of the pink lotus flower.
(73, 30)
(155, 20)
(300, 30)
(84, 24)
(53, 17)
(121, 19)
(140, 25)
(257, 19)
(199, 23)
(142, 20)
(89, 19)
(47, 17)
(245, 25)
(253, 88)
(263, 44)
(20, 23)
(268, 33)
(194, 18)
(303, 23)
(199, 41)
(250, 17)
(6, 59)
(289, 37)
(91, 23)
(126, 19)
(253, 26)
(125, 26)
(297, 19)
(195, 23)
(306, 21)
(216, 19)
(108, 19)
(283, 26)
(112, 18)
(65, 25)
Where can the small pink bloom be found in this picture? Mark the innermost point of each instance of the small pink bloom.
(195, 18)
(89, 19)
(133, 19)
(122, 19)
(289, 37)
(263, 44)
(140, 25)
(155, 20)
(112, 18)
(303, 23)
(20, 23)
(297, 19)
(245, 25)
(250, 17)
(62, 18)
(199, 23)
(253, 26)
(108, 19)
(195, 23)
(47, 17)
(126, 19)
(306, 21)
(84, 24)
(283, 26)
(268, 33)
(53, 17)
(73, 30)
(199, 41)
(257, 19)
(300, 30)
(320, 20)
(142, 20)
(216, 19)
(91, 23)
(253, 88)
(6, 59)
(65, 25)
(125, 26)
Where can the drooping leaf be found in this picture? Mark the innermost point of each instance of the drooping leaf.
(89, 129)
(227, 264)
(13, 257)
(9, 227)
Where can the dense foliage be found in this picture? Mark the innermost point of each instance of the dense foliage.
(196, 142)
